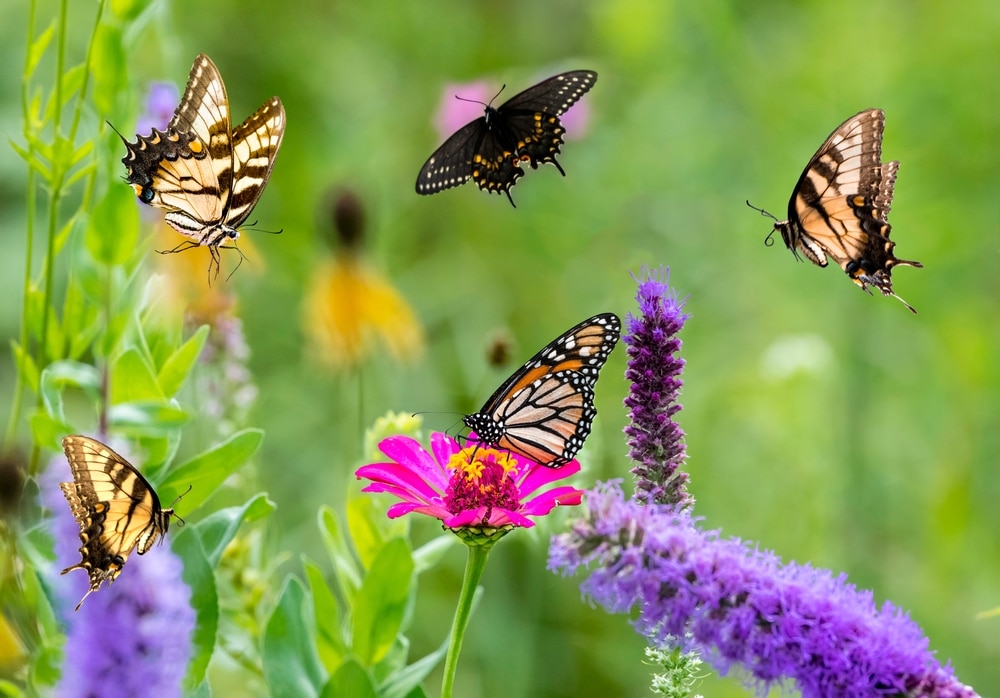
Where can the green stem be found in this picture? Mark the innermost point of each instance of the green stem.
(474, 567)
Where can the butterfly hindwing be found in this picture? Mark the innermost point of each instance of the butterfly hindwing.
(840, 205)
(116, 508)
(545, 409)
(205, 174)
(524, 129)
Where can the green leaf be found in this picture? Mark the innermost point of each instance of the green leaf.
(427, 556)
(133, 379)
(81, 320)
(26, 366)
(199, 576)
(206, 471)
(107, 64)
(220, 527)
(47, 430)
(403, 682)
(291, 666)
(38, 48)
(61, 374)
(352, 680)
(179, 364)
(344, 566)
(113, 227)
(329, 634)
(380, 604)
(147, 418)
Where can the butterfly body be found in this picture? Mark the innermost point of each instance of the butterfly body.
(840, 206)
(491, 149)
(544, 411)
(116, 508)
(205, 174)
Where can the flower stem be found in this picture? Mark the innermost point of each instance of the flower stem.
(474, 567)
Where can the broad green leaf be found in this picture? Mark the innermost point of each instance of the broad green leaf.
(47, 430)
(380, 604)
(402, 683)
(152, 418)
(133, 379)
(113, 227)
(220, 527)
(370, 527)
(352, 680)
(329, 633)
(107, 64)
(291, 666)
(199, 576)
(178, 366)
(202, 690)
(26, 366)
(344, 565)
(129, 10)
(60, 374)
(206, 471)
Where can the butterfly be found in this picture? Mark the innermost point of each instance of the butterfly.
(207, 175)
(545, 410)
(840, 206)
(115, 506)
(490, 150)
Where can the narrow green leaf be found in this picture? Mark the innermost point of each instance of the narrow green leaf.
(26, 366)
(147, 418)
(291, 667)
(352, 680)
(402, 683)
(198, 575)
(62, 374)
(206, 471)
(344, 565)
(38, 48)
(427, 556)
(108, 66)
(381, 602)
(178, 366)
(219, 528)
(113, 227)
(329, 633)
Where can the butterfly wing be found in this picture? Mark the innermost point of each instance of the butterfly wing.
(255, 145)
(115, 507)
(545, 409)
(840, 206)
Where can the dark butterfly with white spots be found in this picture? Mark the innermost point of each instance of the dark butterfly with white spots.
(115, 507)
(207, 175)
(545, 410)
(840, 206)
(491, 149)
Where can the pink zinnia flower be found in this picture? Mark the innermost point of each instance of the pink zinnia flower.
(471, 487)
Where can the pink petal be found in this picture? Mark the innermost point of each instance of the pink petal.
(398, 476)
(540, 476)
(408, 452)
(547, 501)
(444, 447)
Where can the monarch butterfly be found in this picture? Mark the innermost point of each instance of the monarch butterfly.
(490, 150)
(115, 506)
(205, 174)
(544, 411)
(840, 206)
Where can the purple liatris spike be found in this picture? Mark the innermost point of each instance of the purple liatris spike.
(656, 441)
(740, 606)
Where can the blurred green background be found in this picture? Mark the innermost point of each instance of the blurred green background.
(829, 426)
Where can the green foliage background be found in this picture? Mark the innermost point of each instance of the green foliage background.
(827, 425)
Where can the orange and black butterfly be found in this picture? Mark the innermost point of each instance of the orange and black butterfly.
(545, 410)
(840, 206)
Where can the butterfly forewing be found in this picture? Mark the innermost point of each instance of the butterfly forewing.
(544, 411)
(490, 150)
(115, 507)
(840, 206)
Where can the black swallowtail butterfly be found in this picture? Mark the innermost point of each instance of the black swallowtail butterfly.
(490, 150)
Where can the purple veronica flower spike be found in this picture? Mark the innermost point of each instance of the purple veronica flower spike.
(656, 441)
(741, 606)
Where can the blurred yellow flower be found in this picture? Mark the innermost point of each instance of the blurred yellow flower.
(351, 308)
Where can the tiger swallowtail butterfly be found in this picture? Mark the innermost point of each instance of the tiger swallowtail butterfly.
(491, 149)
(840, 206)
(207, 175)
(115, 507)
(545, 410)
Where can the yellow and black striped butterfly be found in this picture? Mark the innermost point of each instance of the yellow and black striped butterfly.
(205, 174)
(840, 206)
(115, 506)
(545, 410)
(490, 150)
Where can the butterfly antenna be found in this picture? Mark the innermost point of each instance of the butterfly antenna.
(120, 136)
(89, 592)
(769, 240)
